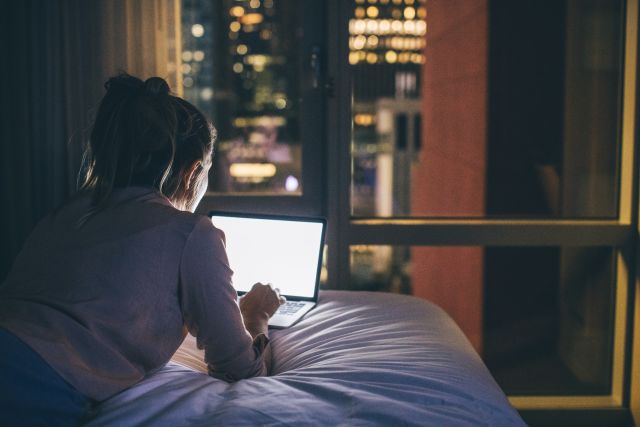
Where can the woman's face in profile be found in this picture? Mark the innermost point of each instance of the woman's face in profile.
(200, 188)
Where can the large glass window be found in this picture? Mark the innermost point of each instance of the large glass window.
(241, 66)
(541, 317)
(509, 145)
(503, 108)
(500, 131)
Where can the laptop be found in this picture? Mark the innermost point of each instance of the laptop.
(282, 250)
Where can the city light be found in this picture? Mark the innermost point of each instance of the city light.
(206, 94)
(391, 57)
(187, 55)
(242, 49)
(364, 119)
(266, 121)
(379, 27)
(409, 13)
(291, 183)
(236, 11)
(357, 26)
(197, 30)
(257, 60)
(265, 34)
(198, 55)
(252, 19)
(359, 41)
(280, 103)
(409, 27)
(252, 170)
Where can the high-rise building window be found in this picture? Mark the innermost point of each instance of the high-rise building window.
(239, 66)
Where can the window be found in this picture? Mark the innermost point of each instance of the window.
(501, 109)
(479, 156)
(494, 176)
(248, 67)
(545, 318)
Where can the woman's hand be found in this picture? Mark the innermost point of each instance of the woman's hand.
(258, 305)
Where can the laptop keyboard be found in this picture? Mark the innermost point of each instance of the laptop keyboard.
(289, 308)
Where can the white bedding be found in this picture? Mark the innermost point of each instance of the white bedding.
(358, 358)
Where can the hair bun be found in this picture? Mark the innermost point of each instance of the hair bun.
(156, 86)
(124, 83)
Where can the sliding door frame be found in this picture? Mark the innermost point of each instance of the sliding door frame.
(621, 233)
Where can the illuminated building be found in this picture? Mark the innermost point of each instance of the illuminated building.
(198, 59)
(386, 53)
(248, 88)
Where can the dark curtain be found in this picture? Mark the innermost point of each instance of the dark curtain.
(50, 84)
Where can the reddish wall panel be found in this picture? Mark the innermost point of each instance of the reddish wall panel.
(451, 177)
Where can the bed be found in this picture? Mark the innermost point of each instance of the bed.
(358, 358)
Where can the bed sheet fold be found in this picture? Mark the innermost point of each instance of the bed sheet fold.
(358, 358)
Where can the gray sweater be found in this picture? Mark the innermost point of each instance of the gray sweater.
(110, 301)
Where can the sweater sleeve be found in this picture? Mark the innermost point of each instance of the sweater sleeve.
(210, 308)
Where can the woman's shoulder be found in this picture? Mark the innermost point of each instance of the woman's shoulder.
(129, 211)
(203, 228)
(196, 226)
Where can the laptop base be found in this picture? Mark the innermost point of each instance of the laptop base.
(280, 321)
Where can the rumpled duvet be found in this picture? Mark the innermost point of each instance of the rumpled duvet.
(357, 359)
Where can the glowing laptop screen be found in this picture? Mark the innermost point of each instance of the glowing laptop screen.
(284, 253)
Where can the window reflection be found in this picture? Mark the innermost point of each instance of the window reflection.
(541, 317)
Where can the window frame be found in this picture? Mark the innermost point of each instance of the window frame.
(620, 233)
(312, 135)
(327, 185)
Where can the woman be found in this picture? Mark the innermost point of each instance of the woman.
(106, 288)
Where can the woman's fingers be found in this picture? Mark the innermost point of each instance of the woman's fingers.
(281, 299)
(265, 297)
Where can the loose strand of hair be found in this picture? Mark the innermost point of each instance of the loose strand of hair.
(101, 175)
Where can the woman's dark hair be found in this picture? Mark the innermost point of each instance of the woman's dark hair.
(143, 136)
